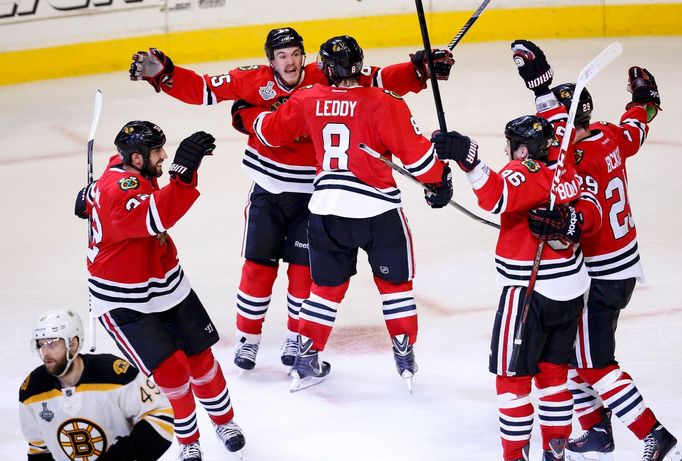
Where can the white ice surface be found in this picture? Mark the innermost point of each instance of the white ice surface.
(363, 411)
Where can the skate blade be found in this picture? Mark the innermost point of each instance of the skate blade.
(298, 384)
(407, 376)
(588, 456)
(675, 454)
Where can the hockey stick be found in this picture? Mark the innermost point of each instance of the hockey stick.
(602, 60)
(436, 95)
(91, 143)
(411, 177)
(429, 61)
(468, 25)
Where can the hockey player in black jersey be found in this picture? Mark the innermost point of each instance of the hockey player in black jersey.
(84, 407)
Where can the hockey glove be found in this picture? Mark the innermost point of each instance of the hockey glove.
(189, 155)
(154, 67)
(439, 195)
(532, 66)
(559, 227)
(442, 64)
(121, 450)
(238, 108)
(644, 91)
(454, 146)
(80, 209)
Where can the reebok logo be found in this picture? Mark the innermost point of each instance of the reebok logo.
(298, 244)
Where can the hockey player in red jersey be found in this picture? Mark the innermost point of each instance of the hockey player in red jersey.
(356, 203)
(555, 305)
(97, 406)
(138, 289)
(276, 212)
(613, 263)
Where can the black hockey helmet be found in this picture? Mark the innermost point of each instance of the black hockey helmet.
(534, 132)
(286, 37)
(564, 93)
(340, 57)
(138, 136)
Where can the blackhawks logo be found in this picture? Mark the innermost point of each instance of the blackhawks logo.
(131, 182)
(579, 154)
(531, 165)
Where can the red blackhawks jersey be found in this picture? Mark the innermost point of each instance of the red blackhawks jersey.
(612, 252)
(132, 261)
(519, 187)
(289, 168)
(350, 182)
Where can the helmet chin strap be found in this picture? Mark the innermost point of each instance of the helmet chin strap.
(69, 362)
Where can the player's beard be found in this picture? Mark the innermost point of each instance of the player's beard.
(152, 171)
(57, 366)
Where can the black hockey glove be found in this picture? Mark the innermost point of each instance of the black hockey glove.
(154, 67)
(80, 209)
(237, 119)
(121, 450)
(559, 227)
(532, 66)
(454, 146)
(189, 155)
(439, 195)
(642, 85)
(442, 64)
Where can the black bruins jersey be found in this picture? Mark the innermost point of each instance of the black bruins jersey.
(79, 423)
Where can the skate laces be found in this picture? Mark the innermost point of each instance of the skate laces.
(190, 451)
(290, 347)
(248, 351)
(228, 431)
(651, 445)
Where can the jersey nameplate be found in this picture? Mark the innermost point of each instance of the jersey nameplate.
(129, 183)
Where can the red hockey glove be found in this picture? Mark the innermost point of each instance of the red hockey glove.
(442, 64)
(559, 227)
(154, 67)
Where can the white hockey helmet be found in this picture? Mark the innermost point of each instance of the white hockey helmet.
(61, 323)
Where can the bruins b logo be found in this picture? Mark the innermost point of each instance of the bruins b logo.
(81, 440)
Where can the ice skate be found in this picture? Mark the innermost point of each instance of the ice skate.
(557, 450)
(232, 437)
(308, 370)
(595, 444)
(190, 452)
(403, 353)
(245, 353)
(660, 445)
(289, 351)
